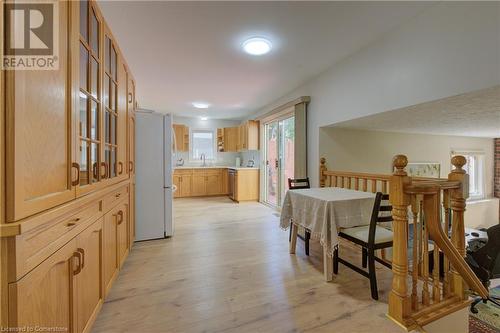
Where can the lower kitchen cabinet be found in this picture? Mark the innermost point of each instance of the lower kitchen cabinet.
(213, 183)
(116, 244)
(199, 186)
(46, 295)
(65, 290)
(200, 182)
(89, 286)
(182, 179)
(244, 184)
(122, 228)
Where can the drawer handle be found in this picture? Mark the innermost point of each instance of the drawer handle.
(105, 165)
(82, 251)
(77, 167)
(78, 256)
(120, 217)
(117, 195)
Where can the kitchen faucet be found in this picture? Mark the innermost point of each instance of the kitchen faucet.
(203, 157)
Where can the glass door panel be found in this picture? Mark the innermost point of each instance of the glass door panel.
(272, 162)
(287, 142)
(279, 154)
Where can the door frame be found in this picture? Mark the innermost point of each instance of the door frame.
(278, 117)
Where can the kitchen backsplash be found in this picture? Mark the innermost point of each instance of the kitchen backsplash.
(224, 159)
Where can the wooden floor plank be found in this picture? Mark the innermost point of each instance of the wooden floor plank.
(227, 269)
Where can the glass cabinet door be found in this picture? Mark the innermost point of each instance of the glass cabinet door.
(110, 107)
(90, 96)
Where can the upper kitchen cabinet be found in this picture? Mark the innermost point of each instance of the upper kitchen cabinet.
(114, 111)
(122, 121)
(231, 139)
(40, 129)
(89, 120)
(181, 137)
(131, 125)
(249, 136)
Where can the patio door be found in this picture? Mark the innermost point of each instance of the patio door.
(279, 156)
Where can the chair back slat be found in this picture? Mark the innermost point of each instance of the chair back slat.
(385, 208)
(298, 184)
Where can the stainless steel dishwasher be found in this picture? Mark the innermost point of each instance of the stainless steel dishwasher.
(232, 184)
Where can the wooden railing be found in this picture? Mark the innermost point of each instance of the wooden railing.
(366, 182)
(422, 292)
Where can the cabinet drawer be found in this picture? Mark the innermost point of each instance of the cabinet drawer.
(38, 244)
(183, 171)
(213, 171)
(114, 197)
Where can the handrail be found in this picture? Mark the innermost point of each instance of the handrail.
(444, 244)
(433, 290)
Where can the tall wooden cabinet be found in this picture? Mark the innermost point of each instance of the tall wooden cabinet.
(67, 222)
(40, 132)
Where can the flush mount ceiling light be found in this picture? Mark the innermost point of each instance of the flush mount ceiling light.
(257, 46)
(204, 118)
(200, 105)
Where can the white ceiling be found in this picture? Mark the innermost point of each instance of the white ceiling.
(473, 114)
(181, 52)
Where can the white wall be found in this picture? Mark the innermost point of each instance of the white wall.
(449, 49)
(372, 151)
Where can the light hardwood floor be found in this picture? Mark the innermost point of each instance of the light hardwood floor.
(227, 269)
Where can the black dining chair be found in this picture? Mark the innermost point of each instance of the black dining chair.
(370, 237)
(297, 184)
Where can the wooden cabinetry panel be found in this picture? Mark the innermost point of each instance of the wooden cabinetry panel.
(122, 232)
(181, 133)
(110, 253)
(122, 121)
(198, 184)
(246, 185)
(202, 182)
(89, 286)
(176, 181)
(46, 295)
(132, 214)
(40, 135)
(186, 185)
(214, 183)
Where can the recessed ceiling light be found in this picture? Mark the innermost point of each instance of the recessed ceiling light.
(200, 105)
(204, 118)
(257, 46)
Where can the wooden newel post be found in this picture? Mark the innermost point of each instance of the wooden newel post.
(399, 300)
(457, 203)
(322, 169)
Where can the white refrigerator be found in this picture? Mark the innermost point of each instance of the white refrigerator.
(154, 197)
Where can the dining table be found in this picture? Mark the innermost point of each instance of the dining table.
(323, 212)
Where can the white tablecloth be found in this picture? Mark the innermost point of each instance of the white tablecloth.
(324, 211)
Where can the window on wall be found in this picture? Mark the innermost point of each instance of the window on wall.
(475, 169)
(203, 142)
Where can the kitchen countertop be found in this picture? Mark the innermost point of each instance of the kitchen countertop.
(216, 167)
